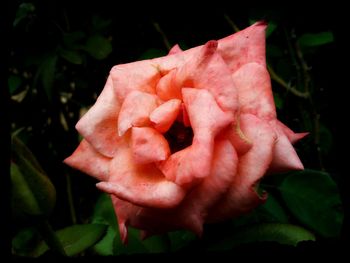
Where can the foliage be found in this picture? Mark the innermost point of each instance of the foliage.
(58, 64)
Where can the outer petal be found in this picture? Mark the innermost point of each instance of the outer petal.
(292, 136)
(253, 83)
(86, 159)
(142, 185)
(175, 49)
(148, 145)
(285, 157)
(164, 116)
(242, 197)
(244, 47)
(99, 125)
(135, 111)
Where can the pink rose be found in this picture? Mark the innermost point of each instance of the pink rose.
(184, 139)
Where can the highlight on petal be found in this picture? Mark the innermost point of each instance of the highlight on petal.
(244, 47)
(253, 83)
(99, 125)
(164, 116)
(148, 145)
(86, 159)
(135, 111)
(241, 196)
(142, 185)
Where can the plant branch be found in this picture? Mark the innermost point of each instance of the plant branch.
(164, 37)
(70, 200)
(231, 23)
(51, 238)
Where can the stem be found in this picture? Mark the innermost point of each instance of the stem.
(231, 23)
(70, 200)
(284, 84)
(51, 238)
(164, 37)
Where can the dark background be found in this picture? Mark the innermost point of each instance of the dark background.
(133, 36)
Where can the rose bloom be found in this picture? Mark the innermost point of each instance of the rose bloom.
(184, 139)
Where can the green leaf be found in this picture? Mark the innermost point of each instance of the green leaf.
(180, 239)
(71, 56)
(99, 23)
(75, 239)
(152, 53)
(326, 139)
(23, 11)
(71, 39)
(313, 198)
(25, 241)
(14, 82)
(46, 73)
(32, 191)
(104, 212)
(278, 101)
(272, 211)
(98, 47)
(282, 233)
(314, 40)
(105, 246)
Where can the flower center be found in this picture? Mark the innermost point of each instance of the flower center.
(179, 136)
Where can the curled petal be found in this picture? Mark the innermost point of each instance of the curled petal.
(175, 49)
(292, 136)
(207, 119)
(164, 116)
(86, 159)
(167, 87)
(241, 196)
(148, 145)
(207, 70)
(285, 157)
(99, 125)
(142, 185)
(253, 83)
(136, 110)
(244, 47)
(141, 75)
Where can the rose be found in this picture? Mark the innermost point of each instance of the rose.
(184, 139)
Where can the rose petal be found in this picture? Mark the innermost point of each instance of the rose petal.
(142, 185)
(244, 47)
(148, 145)
(292, 136)
(242, 197)
(253, 83)
(207, 70)
(167, 88)
(86, 159)
(99, 125)
(207, 119)
(175, 49)
(136, 110)
(165, 115)
(141, 75)
(285, 157)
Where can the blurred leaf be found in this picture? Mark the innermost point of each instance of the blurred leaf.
(46, 72)
(14, 82)
(278, 101)
(19, 97)
(32, 191)
(281, 233)
(180, 239)
(98, 47)
(274, 51)
(326, 139)
(272, 211)
(105, 246)
(152, 53)
(313, 198)
(313, 40)
(71, 56)
(70, 39)
(23, 11)
(25, 241)
(99, 23)
(75, 239)
(104, 212)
